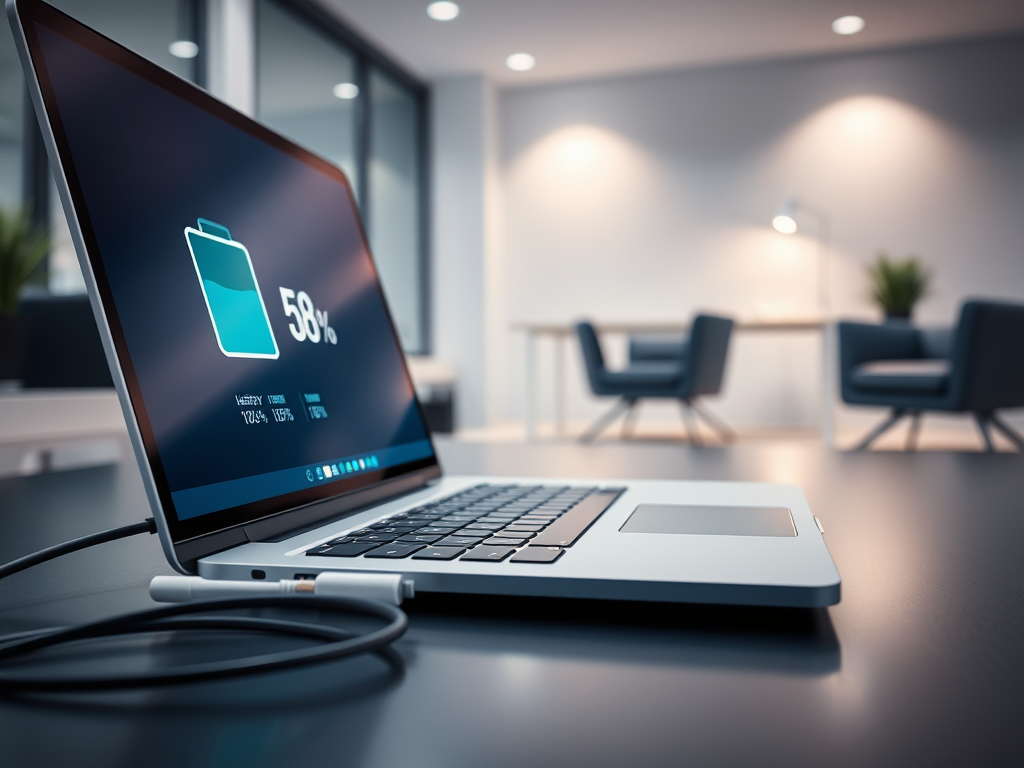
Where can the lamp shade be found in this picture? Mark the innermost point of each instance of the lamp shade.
(784, 220)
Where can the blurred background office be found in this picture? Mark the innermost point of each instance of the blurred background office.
(521, 166)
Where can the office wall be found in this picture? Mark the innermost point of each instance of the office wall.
(467, 295)
(650, 197)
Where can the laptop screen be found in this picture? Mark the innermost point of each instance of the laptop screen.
(262, 364)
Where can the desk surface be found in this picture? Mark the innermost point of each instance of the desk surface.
(669, 326)
(920, 664)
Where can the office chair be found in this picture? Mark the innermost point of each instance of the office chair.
(697, 370)
(976, 368)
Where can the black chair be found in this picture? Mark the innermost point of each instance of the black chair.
(697, 369)
(976, 368)
(64, 348)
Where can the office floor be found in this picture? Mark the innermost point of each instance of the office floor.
(919, 664)
(938, 433)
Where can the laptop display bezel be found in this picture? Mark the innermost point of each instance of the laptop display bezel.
(327, 499)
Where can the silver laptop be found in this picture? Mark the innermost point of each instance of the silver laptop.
(267, 396)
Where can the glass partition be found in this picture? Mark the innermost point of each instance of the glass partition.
(160, 30)
(325, 88)
(394, 189)
(12, 122)
(306, 87)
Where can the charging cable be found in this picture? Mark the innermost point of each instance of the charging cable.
(386, 587)
(375, 595)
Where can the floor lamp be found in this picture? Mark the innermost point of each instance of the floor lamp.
(785, 222)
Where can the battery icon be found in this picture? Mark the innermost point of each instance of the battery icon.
(232, 294)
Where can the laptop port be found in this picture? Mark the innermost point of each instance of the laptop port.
(305, 576)
(258, 574)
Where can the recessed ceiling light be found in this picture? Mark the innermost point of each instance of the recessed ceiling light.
(345, 90)
(848, 25)
(442, 10)
(183, 49)
(520, 62)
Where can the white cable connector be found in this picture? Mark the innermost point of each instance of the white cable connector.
(386, 587)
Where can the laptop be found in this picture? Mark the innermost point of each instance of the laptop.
(267, 396)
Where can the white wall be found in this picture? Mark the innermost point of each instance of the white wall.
(466, 281)
(649, 197)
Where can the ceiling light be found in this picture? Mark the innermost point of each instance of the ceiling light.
(345, 90)
(848, 25)
(183, 49)
(442, 10)
(520, 62)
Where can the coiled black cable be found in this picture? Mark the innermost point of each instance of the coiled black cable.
(339, 643)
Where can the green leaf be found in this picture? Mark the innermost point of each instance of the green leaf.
(23, 247)
(896, 285)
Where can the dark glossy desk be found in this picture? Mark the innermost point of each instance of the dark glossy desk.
(921, 663)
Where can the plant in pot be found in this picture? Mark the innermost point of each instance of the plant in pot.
(23, 247)
(897, 285)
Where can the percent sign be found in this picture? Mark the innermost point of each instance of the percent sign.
(329, 334)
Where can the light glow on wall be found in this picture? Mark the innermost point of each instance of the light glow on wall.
(876, 145)
(581, 173)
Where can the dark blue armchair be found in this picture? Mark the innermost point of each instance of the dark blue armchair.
(976, 368)
(694, 368)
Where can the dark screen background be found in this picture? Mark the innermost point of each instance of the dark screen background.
(149, 164)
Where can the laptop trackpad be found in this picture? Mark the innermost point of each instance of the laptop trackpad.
(718, 521)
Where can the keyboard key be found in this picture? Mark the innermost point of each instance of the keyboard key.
(355, 549)
(380, 538)
(525, 527)
(395, 551)
(398, 530)
(341, 540)
(436, 529)
(490, 554)
(489, 525)
(477, 533)
(504, 541)
(418, 538)
(460, 541)
(538, 555)
(568, 528)
(439, 553)
(515, 533)
(319, 550)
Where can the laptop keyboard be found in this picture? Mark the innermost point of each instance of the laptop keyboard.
(521, 523)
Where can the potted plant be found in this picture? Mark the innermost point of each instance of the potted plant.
(898, 284)
(23, 247)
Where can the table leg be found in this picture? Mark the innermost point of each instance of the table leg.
(829, 363)
(559, 384)
(529, 369)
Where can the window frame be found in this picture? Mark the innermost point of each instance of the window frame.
(367, 56)
(36, 173)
